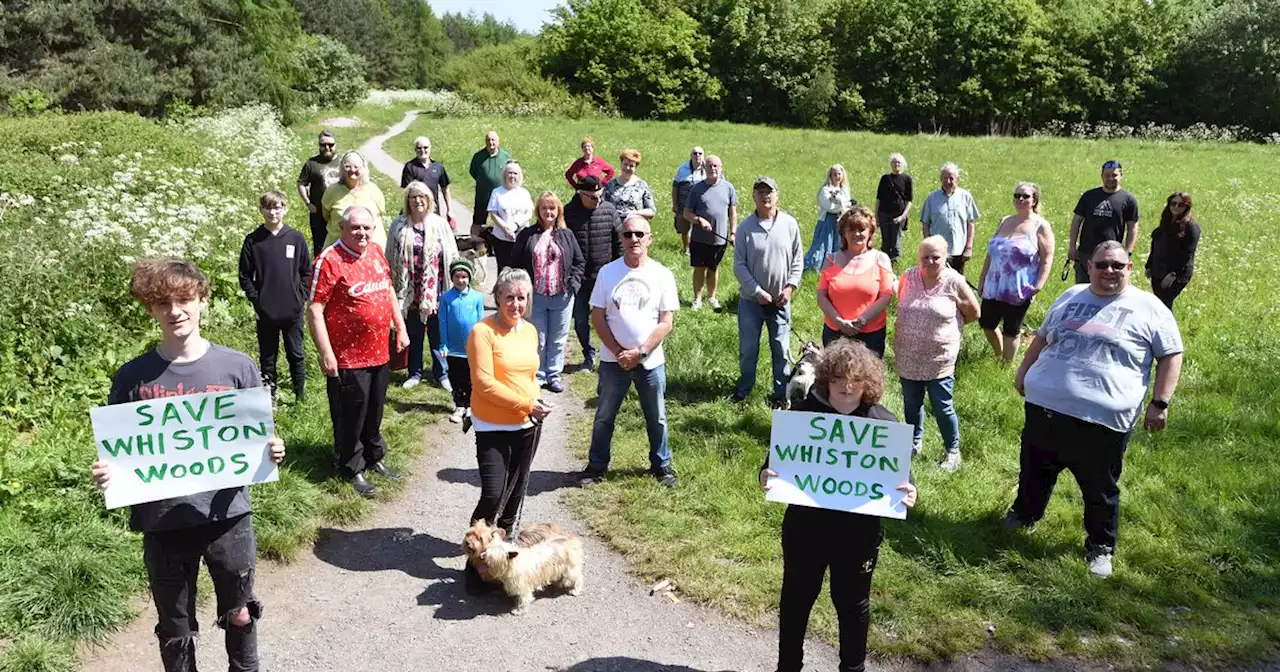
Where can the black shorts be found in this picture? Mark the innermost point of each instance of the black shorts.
(994, 311)
(705, 255)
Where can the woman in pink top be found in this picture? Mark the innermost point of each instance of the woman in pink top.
(855, 284)
(588, 164)
(934, 302)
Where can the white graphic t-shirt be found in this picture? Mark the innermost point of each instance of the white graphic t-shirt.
(1097, 363)
(633, 299)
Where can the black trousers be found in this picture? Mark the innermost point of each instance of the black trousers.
(319, 230)
(957, 262)
(1167, 294)
(874, 340)
(460, 379)
(504, 459)
(1092, 453)
(356, 397)
(812, 541)
(502, 251)
(269, 333)
(172, 558)
(890, 234)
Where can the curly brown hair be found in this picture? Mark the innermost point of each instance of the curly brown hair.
(167, 279)
(857, 218)
(851, 361)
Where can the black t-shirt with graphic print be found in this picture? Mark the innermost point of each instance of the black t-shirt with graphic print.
(1104, 217)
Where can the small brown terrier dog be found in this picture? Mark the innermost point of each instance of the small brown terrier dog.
(544, 555)
(481, 534)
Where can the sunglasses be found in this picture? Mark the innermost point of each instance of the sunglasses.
(637, 235)
(1177, 204)
(1112, 164)
(1022, 197)
(422, 148)
(1113, 265)
(327, 145)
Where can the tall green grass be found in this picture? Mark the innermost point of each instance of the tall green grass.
(1198, 570)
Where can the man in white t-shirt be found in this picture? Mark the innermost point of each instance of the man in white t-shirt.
(1085, 377)
(632, 309)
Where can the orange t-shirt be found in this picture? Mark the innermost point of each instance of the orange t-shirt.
(852, 293)
(504, 366)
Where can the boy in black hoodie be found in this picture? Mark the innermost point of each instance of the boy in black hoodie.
(275, 271)
(850, 381)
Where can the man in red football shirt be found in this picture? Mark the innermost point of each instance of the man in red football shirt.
(352, 308)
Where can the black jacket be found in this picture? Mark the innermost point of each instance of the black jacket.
(597, 232)
(1171, 254)
(275, 272)
(571, 258)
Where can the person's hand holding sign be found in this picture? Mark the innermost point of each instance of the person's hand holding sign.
(909, 499)
(765, 475)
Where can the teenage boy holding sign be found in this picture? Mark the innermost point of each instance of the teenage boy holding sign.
(214, 525)
(850, 381)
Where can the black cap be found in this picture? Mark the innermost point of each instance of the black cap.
(589, 183)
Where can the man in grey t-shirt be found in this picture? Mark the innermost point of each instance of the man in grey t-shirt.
(712, 212)
(1085, 377)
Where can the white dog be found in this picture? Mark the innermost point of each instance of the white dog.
(521, 571)
(803, 374)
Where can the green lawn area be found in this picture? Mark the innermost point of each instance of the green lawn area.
(1198, 570)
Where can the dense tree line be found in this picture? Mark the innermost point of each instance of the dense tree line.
(954, 65)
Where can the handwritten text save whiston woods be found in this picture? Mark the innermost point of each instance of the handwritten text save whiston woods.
(178, 426)
(847, 432)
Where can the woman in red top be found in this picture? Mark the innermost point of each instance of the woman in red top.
(588, 164)
(855, 284)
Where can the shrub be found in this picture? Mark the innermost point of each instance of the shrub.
(327, 74)
(505, 78)
(28, 103)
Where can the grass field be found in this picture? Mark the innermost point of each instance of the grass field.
(68, 569)
(1198, 569)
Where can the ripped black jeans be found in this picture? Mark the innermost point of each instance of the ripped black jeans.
(173, 558)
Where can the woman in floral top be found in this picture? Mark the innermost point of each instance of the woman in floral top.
(1019, 256)
(549, 252)
(420, 248)
(934, 302)
(629, 194)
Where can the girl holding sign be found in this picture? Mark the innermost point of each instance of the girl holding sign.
(850, 381)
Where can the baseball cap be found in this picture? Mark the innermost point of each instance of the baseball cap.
(767, 181)
(588, 183)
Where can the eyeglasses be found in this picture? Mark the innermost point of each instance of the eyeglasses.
(637, 235)
(1022, 197)
(1113, 265)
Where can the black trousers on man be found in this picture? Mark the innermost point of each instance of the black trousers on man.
(356, 397)
(1092, 453)
(957, 262)
(269, 334)
(319, 231)
(504, 459)
(172, 558)
(812, 541)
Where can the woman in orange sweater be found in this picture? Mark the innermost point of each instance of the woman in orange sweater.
(855, 284)
(506, 411)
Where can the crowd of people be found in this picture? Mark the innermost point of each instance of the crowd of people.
(373, 291)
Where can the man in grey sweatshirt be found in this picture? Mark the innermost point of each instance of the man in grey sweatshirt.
(768, 261)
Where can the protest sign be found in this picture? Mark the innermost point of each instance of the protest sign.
(840, 462)
(175, 446)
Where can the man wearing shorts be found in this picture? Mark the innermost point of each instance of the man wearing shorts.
(712, 213)
(688, 174)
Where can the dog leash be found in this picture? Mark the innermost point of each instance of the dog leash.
(510, 489)
(1066, 266)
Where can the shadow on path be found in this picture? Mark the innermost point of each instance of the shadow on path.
(386, 549)
(540, 481)
(624, 664)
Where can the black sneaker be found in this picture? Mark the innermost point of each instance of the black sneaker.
(588, 476)
(737, 397)
(1013, 522)
(667, 477)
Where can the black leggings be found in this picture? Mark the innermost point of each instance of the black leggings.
(504, 459)
(812, 541)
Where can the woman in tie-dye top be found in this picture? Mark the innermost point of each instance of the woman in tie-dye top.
(1019, 256)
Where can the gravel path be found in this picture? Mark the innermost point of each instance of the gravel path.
(388, 596)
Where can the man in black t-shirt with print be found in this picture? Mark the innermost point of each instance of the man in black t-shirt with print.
(424, 169)
(319, 173)
(1102, 213)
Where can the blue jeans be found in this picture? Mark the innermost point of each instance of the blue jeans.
(751, 317)
(611, 388)
(428, 333)
(550, 317)
(582, 318)
(941, 391)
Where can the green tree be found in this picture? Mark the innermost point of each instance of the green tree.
(467, 33)
(644, 61)
(402, 43)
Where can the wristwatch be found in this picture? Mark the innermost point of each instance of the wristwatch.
(1160, 404)
(643, 355)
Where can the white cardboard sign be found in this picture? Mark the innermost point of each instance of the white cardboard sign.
(839, 462)
(175, 446)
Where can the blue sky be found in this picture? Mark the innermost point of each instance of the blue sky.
(527, 15)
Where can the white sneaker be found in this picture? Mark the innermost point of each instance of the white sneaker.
(951, 462)
(714, 303)
(1099, 563)
(457, 414)
(411, 383)
(697, 303)
(446, 385)
(916, 447)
